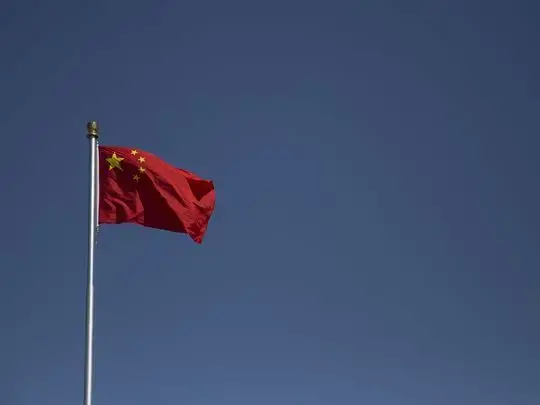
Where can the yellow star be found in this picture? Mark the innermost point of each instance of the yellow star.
(136, 177)
(141, 169)
(142, 159)
(114, 162)
(134, 152)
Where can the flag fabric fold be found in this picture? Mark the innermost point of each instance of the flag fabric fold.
(138, 187)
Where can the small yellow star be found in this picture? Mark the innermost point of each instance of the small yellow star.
(141, 169)
(134, 152)
(136, 177)
(114, 162)
(142, 159)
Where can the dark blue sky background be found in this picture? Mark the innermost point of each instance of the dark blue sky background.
(376, 234)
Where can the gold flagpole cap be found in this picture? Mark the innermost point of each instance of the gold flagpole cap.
(92, 129)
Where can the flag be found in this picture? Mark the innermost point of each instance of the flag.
(138, 187)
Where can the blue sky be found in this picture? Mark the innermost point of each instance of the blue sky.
(376, 233)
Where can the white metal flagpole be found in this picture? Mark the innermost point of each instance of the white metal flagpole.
(93, 134)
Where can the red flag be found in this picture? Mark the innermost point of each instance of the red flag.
(138, 187)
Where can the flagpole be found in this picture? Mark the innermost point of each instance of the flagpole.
(92, 134)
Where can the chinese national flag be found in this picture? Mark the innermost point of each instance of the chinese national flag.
(138, 187)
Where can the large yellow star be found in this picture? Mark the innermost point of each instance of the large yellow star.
(114, 162)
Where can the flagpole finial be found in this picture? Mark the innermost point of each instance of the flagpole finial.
(92, 129)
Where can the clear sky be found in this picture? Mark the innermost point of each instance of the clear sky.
(376, 234)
